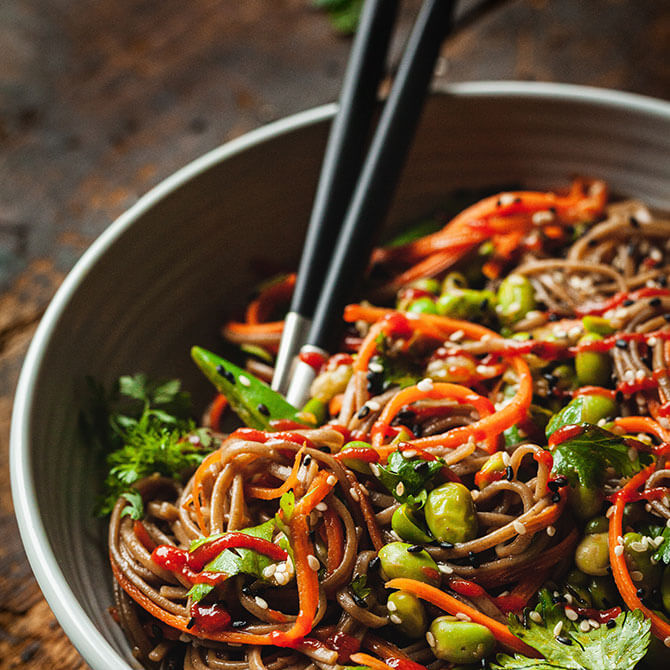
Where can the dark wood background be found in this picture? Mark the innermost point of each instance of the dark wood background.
(99, 101)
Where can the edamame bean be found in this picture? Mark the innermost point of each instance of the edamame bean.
(585, 501)
(459, 641)
(423, 305)
(407, 612)
(405, 524)
(592, 367)
(599, 524)
(592, 554)
(588, 408)
(450, 513)
(465, 303)
(427, 284)
(638, 553)
(454, 280)
(598, 324)
(516, 297)
(400, 559)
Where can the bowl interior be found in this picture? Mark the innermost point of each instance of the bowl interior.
(165, 275)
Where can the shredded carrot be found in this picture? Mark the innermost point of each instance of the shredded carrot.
(643, 424)
(269, 493)
(216, 410)
(450, 604)
(438, 391)
(320, 487)
(334, 538)
(627, 588)
(335, 404)
(370, 661)
(261, 308)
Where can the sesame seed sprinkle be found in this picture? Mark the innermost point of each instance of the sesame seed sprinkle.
(551, 531)
(584, 626)
(519, 527)
(571, 614)
(244, 380)
(332, 480)
(391, 606)
(261, 603)
(394, 618)
(313, 562)
(618, 550)
(425, 385)
(558, 628)
(535, 616)
(462, 616)
(430, 638)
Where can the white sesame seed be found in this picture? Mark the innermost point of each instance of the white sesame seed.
(575, 331)
(636, 576)
(373, 405)
(647, 508)
(313, 562)
(374, 468)
(640, 375)
(332, 480)
(629, 376)
(551, 531)
(444, 568)
(400, 489)
(655, 255)
(394, 618)
(474, 494)
(430, 638)
(506, 459)
(503, 594)
(391, 606)
(632, 454)
(486, 337)
(412, 316)
(513, 307)
(281, 578)
(269, 570)
(261, 603)
(322, 507)
(244, 380)
(425, 385)
(594, 624)
(568, 598)
(354, 494)
(409, 453)
(456, 336)
(666, 501)
(657, 542)
(652, 341)
(535, 616)
(506, 199)
(571, 614)
(558, 628)
(559, 333)
(618, 550)
(543, 216)
(619, 539)
(638, 546)
(375, 367)
(462, 616)
(602, 422)
(519, 527)
(666, 641)
(584, 626)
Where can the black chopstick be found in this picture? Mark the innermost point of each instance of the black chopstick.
(339, 172)
(378, 178)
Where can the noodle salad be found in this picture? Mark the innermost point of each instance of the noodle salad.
(479, 478)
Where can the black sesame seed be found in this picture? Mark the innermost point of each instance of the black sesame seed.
(618, 396)
(246, 590)
(552, 209)
(239, 624)
(551, 379)
(554, 317)
(611, 623)
(570, 230)
(445, 545)
(667, 317)
(640, 592)
(558, 598)
(592, 242)
(564, 640)
(509, 473)
(662, 281)
(363, 412)
(556, 498)
(499, 203)
(472, 559)
(307, 460)
(552, 485)
(655, 302)
(190, 624)
(561, 481)
(263, 409)
(622, 344)
(406, 415)
(415, 549)
(374, 563)
(359, 601)
(628, 302)
(484, 304)
(517, 201)
(633, 222)
(226, 374)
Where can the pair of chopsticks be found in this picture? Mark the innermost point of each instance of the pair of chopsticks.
(354, 191)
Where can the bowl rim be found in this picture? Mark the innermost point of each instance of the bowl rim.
(85, 636)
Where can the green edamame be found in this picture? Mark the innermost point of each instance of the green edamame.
(599, 524)
(465, 303)
(592, 367)
(638, 554)
(450, 513)
(598, 324)
(588, 408)
(400, 559)
(423, 305)
(454, 280)
(427, 284)
(459, 641)
(405, 524)
(407, 612)
(592, 554)
(516, 297)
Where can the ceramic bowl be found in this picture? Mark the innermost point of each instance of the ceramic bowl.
(164, 274)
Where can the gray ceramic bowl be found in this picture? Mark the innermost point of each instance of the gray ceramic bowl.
(162, 276)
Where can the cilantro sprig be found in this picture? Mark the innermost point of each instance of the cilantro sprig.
(583, 459)
(414, 475)
(143, 427)
(620, 647)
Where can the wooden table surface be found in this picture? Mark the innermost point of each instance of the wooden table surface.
(99, 101)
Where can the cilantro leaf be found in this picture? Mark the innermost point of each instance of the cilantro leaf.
(235, 561)
(135, 508)
(145, 427)
(621, 647)
(359, 587)
(584, 458)
(663, 551)
(414, 474)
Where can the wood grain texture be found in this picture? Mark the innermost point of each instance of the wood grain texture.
(99, 101)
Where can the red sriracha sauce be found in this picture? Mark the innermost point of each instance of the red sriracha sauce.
(565, 433)
(262, 436)
(209, 618)
(465, 587)
(398, 325)
(345, 645)
(314, 359)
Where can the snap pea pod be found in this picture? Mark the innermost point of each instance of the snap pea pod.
(251, 399)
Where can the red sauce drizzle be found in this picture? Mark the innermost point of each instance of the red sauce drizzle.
(210, 618)
(345, 645)
(314, 359)
(465, 587)
(601, 616)
(398, 326)
(565, 433)
(262, 436)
